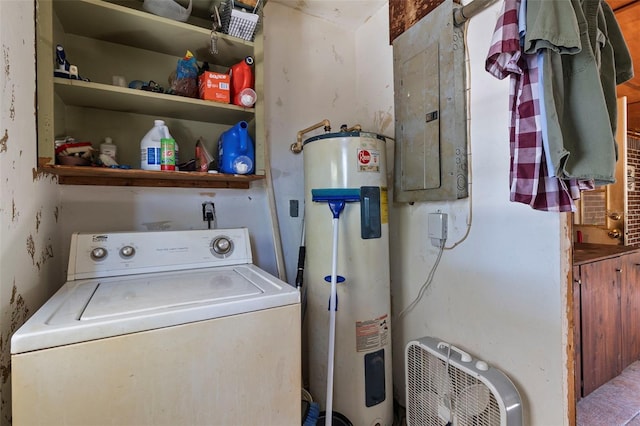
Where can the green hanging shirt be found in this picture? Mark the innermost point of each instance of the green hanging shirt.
(584, 58)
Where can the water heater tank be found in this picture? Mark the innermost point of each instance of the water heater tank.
(362, 388)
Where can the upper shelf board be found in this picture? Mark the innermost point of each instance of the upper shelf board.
(114, 23)
(104, 96)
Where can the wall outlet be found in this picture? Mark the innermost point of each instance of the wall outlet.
(437, 228)
(209, 213)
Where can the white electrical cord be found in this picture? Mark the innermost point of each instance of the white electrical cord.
(469, 165)
(426, 284)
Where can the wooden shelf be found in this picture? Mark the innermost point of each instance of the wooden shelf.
(114, 23)
(116, 37)
(105, 96)
(70, 175)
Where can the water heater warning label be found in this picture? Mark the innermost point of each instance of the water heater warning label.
(384, 206)
(372, 334)
(368, 160)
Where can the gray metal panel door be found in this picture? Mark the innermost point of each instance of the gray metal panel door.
(430, 105)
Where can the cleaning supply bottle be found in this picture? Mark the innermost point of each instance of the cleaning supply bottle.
(150, 146)
(236, 154)
(109, 148)
(241, 78)
(167, 153)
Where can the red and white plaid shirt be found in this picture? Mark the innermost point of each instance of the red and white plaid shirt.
(528, 176)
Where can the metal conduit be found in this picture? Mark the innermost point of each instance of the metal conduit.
(464, 13)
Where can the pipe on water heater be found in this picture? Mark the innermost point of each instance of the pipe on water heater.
(296, 147)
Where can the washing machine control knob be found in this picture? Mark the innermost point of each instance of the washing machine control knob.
(98, 253)
(127, 252)
(222, 245)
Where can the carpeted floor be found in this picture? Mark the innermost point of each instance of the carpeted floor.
(616, 403)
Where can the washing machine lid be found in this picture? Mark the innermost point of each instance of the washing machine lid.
(86, 310)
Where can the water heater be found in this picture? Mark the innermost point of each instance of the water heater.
(362, 388)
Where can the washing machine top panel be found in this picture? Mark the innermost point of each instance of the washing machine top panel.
(91, 309)
(138, 295)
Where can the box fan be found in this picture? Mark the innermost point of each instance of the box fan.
(447, 386)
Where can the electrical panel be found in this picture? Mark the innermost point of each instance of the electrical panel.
(430, 109)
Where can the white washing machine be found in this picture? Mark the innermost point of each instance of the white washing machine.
(161, 328)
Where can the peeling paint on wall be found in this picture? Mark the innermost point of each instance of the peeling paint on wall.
(14, 211)
(31, 248)
(19, 314)
(338, 58)
(7, 72)
(45, 254)
(12, 108)
(3, 141)
(56, 213)
(38, 174)
(7, 63)
(38, 219)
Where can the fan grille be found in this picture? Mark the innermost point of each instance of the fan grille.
(428, 384)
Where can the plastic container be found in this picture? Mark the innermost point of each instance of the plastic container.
(168, 9)
(109, 148)
(236, 154)
(167, 154)
(247, 97)
(150, 156)
(241, 78)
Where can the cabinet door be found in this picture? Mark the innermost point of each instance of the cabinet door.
(601, 323)
(630, 294)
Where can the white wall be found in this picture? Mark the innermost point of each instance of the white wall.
(499, 293)
(102, 209)
(30, 253)
(309, 77)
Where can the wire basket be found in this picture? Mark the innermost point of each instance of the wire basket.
(239, 23)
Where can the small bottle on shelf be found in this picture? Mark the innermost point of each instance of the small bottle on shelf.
(108, 152)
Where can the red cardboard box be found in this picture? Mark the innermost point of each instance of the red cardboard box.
(214, 86)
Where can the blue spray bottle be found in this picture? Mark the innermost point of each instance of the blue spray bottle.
(235, 150)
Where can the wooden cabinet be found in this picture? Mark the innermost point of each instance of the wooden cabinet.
(606, 318)
(600, 322)
(630, 310)
(116, 38)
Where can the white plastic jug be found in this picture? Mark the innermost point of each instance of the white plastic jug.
(150, 146)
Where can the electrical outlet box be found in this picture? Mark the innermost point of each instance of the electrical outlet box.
(437, 227)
